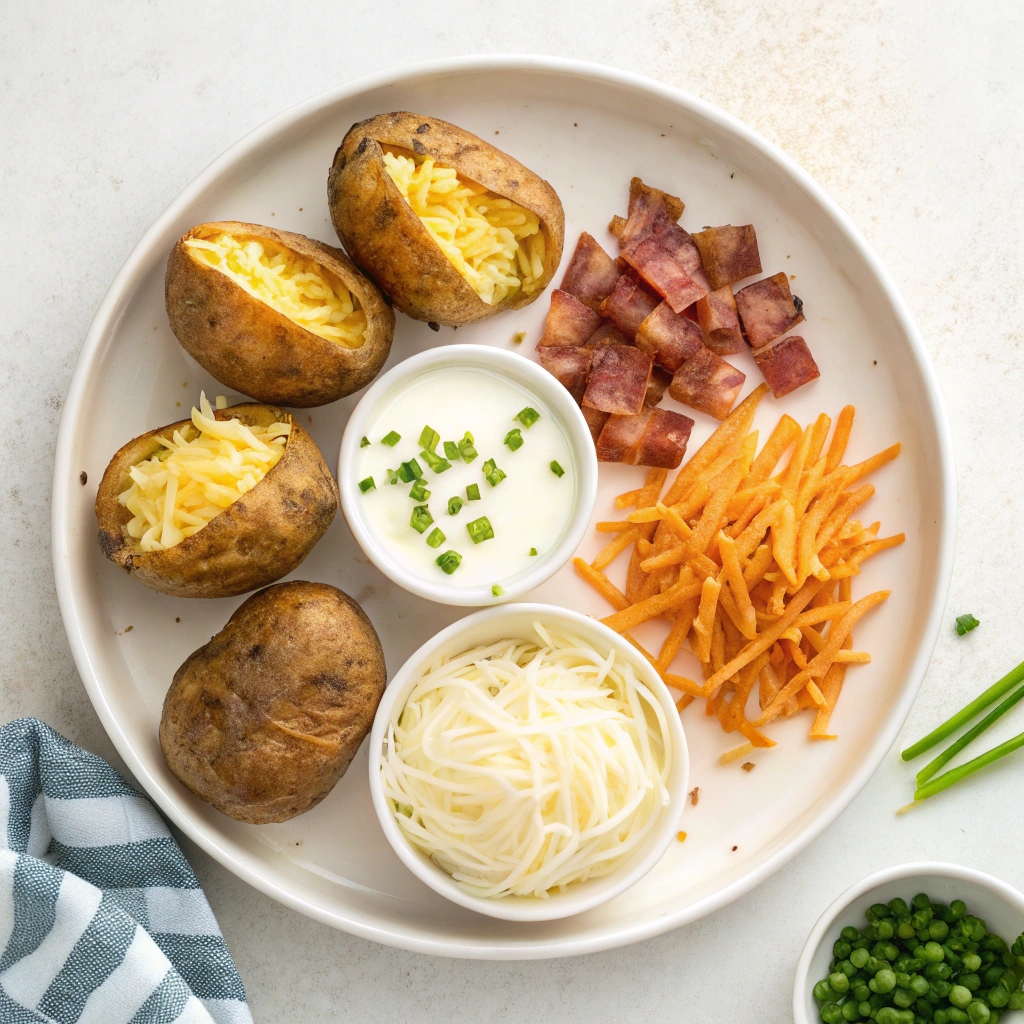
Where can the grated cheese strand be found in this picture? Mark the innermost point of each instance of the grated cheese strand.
(525, 765)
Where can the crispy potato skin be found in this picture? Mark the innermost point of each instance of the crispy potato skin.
(254, 349)
(263, 720)
(382, 234)
(256, 540)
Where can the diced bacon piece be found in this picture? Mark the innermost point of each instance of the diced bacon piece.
(650, 220)
(618, 379)
(592, 272)
(595, 420)
(654, 437)
(569, 322)
(707, 383)
(629, 305)
(569, 365)
(657, 386)
(674, 206)
(728, 253)
(669, 337)
(661, 269)
(718, 319)
(767, 310)
(607, 334)
(787, 365)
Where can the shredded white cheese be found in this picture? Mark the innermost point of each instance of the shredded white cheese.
(199, 471)
(495, 244)
(528, 764)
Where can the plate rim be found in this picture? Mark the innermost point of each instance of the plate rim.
(118, 295)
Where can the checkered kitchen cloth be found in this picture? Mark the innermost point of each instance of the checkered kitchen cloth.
(102, 921)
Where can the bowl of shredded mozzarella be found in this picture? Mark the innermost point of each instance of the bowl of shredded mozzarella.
(528, 763)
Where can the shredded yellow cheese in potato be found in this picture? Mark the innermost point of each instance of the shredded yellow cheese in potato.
(201, 470)
(296, 287)
(495, 244)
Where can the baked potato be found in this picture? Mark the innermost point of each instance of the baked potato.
(263, 720)
(249, 518)
(275, 315)
(495, 246)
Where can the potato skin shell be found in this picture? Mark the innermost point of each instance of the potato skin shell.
(263, 720)
(252, 348)
(256, 540)
(382, 234)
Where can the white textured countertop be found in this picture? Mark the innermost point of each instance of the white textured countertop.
(908, 113)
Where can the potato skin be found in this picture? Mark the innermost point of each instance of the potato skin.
(258, 351)
(256, 540)
(263, 720)
(382, 234)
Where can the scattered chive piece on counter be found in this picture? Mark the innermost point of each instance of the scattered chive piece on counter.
(391, 438)
(454, 505)
(436, 538)
(533, 551)
(419, 491)
(965, 623)
(367, 485)
(527, 416)
(449, 561)
(519, 337)
(480, 529)
(421, 518)
(429, 438)
(451, 451)
(466, 449)
(497, 591)
(409, 471)
(365, 443)
(514, 439)
(557, 469)
(473, 492)
(493, 475)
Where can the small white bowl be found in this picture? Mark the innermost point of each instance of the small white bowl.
(998, 904)
(535, 380)
(485, 627)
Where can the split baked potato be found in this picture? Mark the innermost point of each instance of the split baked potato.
(263, 720)
(451, 228)
(277, 316)
(250, 497)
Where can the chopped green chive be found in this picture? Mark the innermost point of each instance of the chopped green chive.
(472, 493)
(436, 538)
(454, 505)
(365, 443)
(466, 449)
(557, 469)
(497, 591)
(527, 416)
(451, 451)
(965, 623)
(391, 438)
(409, 471)
(480, 530)
(514, 439)
(449, 561)
(367, 485)
(493, 475)
(393, 477)
(519, 337)
(419, 491)
(533, 551)
(421, 518)
(435, 462)
(429, 438)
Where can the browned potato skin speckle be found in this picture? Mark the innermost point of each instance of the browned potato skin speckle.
(254, 349)
(256, 540)
(382, 234)
(263, 721)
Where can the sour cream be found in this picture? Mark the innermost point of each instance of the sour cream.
(527, 511)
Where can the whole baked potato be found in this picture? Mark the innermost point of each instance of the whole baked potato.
(212, 541)
(263, 720)
(277, 316)
(495, 246)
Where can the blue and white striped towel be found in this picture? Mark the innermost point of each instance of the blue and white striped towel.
(102, 920)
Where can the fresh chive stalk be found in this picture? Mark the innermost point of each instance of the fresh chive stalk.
(429, 438)
(409, 471)
(954, 775)
(435, 538)
(962, 717)
(365, 442)
(421, 518)
(466, 449)
(435, 462)
(480, 530)
(473, 492)
(449, 561)
(419, 491)
(557, 469)
(391, 438)
(454, 505)
(527, 416)
(367, 485)
(514, 439)
(451, 451)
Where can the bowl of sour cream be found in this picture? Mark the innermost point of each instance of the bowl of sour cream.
(467, 475)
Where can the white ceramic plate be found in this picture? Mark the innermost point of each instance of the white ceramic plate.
(587, 129)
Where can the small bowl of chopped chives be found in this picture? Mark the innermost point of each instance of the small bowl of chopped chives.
(467, 474)
(930, 941)
(528, 763)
